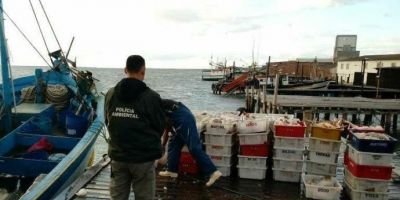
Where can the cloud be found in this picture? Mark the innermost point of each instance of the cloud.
(245, 28)
(345, 2)
(172, 56)
(180, 15)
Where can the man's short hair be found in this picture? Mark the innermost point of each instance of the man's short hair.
(134, 63)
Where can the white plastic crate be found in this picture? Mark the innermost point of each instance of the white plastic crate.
(288, 165)
(218, 139)
(371, 159)
(315, 191)
(343, 145)
(252, 161)
(252, 172)
(323, 145)
(254, 123)
(320, 168)
(221, 160)
(366, 185)
(221, 125)
(286, 176)
(360, 195)
(253, 138)
(289, 142)
(340, 160)
(224, 169)
(323, 157)
(289, 153)
(220, 150)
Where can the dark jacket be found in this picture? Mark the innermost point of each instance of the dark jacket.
(135, 120)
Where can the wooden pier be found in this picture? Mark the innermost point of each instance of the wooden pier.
(96, 182)
(358, 110)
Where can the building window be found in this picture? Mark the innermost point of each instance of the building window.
(347, 66)
(341, 66)
(393, 64)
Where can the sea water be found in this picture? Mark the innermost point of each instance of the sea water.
(184, 85)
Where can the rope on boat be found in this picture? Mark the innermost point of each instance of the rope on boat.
(28, 94)
(52, 29)
(25, 37)
(57, 95)
(40, 29)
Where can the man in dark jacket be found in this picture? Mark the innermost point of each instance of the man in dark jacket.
(135, 120)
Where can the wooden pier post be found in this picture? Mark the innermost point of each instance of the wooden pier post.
(354, 119)
(388, 122)
(327, 116)
(368, 119)
(383, 117)
(252, 99)
(395, 133)
(276, 92)
(264, 108)
(246, 96)
(258, 101)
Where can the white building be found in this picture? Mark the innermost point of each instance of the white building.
(346, 68)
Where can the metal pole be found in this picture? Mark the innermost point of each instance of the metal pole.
(265, 106)
(276, 92)
(265, 97)
(268, 65)
(302, 72)
(246, 90)
(252, 99)
(7, 93)
(378, 82)
(362, 74)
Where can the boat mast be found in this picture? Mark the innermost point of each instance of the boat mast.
(5, 73)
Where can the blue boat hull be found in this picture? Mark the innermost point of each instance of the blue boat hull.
(71, 167)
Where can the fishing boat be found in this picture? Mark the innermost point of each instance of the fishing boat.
(49, 123)
(218, 71)
(212, 74)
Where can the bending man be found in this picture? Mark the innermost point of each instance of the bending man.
(184, 125)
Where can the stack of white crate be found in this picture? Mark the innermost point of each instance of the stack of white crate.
(370, 166)
(221, 141)
(323, 156)
(323, 151)
(253, 138)
(289, 147)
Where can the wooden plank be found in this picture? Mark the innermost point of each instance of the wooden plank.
(87, 177)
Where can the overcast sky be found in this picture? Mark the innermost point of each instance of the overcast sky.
(184, 34)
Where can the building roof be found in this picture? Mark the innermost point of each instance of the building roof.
(374, 57)
(328, 60)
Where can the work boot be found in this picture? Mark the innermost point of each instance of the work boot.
(168, 174)
(214, 177)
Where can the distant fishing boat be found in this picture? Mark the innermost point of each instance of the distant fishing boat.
(217, 72)
(49, 123)
(212, 74)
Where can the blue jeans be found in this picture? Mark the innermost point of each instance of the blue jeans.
(184, 124)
